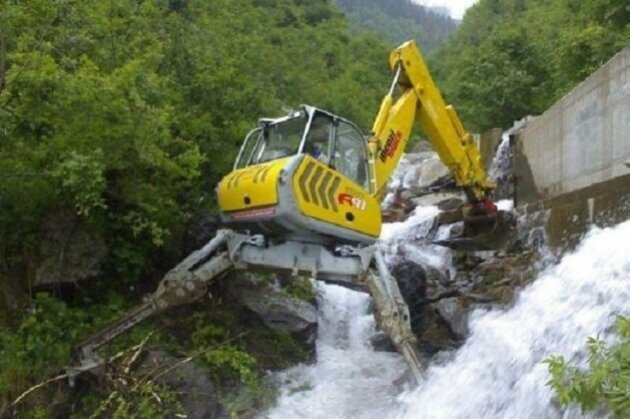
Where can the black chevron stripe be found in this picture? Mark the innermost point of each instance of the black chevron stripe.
(322, 189)
(312, 185)
(332, 192)
(266, 172)
(302, 181)
(237, 178)
(258, 173)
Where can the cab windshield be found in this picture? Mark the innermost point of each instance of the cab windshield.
(274, 140)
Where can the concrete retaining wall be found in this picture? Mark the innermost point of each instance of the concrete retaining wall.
(582, 140)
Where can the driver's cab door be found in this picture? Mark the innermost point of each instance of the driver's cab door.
(350, 153)
(319, 139)
(338, 144)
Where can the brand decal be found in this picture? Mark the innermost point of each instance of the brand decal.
(347, 199)
(391, 145)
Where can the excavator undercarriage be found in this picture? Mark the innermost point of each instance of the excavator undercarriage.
(354, 267)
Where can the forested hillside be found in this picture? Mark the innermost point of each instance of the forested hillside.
(511, 58)
(399, 20)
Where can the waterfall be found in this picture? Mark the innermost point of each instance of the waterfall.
(498, 372)
(349, 379)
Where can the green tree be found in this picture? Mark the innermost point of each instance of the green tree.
(512, 58)
(605, 383)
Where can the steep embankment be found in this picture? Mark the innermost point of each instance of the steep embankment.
(116, 121)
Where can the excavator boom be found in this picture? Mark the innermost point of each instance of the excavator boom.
(421, 100)
(413, 96)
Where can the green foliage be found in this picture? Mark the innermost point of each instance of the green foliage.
(40, 347)
(511, 58)
(228, 362)
(606, 382)
(301, 288)
(129, 113)
(143, 399)
(83, 177)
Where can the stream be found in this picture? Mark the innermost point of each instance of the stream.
(497, 373)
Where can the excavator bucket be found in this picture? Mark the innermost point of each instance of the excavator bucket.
(489, 231)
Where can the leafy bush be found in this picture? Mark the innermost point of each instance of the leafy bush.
(607, 380)
(41, 346)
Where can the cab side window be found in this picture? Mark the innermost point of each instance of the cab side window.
(350, 156)
(317, 142)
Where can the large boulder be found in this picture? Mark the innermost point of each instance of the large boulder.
(412, 281)
(446, 201)
(454, 314)
(432, 170)
(278, 309)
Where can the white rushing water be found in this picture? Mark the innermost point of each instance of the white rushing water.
(499, 371)
(349, 378)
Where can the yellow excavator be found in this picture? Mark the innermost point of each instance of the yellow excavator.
(304, 199)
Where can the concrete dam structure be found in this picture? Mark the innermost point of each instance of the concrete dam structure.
(571, 165)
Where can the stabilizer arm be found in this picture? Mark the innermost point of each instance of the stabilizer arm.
(392, 314)
(181, 285)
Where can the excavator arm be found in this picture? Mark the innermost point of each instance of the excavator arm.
(420, 99)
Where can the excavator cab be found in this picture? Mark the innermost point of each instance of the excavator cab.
(303, 176)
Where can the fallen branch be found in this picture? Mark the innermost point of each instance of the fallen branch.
(35, 387)
(137, 348)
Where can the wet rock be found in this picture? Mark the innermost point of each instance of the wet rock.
(432, 170)
(412, 176)
(450, 217)
(191, 382)
(276, 308)
(382, 343)
(412, 281)
(69, 251)
(454, 314)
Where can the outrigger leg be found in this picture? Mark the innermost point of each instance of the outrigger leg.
(392, 314)
(189, 280)
(183, 284)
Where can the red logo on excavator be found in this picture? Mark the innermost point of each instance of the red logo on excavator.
(347, 199)
(391, 145)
